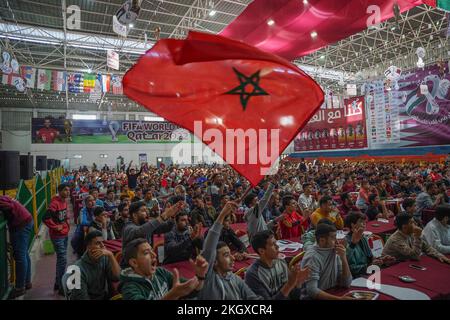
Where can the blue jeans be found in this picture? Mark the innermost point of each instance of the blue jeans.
(19, 240)
(60, 246)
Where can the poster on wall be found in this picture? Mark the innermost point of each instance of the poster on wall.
(142, 158)
(49, 130)
(417, 114)
(339, 128)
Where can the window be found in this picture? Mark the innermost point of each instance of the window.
(77, 156)
(76, 116)
(103, 156)
(150, 118)
(131, 117)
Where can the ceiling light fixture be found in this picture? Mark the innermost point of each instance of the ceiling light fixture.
(270, 22)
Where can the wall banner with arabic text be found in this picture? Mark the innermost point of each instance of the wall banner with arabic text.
(339, 128)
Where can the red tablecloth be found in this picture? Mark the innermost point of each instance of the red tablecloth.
(113, 245)
(436, 279)
(434, 282)
(382, 228)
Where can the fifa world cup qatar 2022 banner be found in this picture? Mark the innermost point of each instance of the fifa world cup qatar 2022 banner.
(48, 130)
(337, 128)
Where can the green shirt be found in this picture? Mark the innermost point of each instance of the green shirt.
(96, 277)
(135, 287)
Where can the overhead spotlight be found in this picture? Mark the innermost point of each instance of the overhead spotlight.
(313, 34)
(212, 13)
(322, 57)
(270, 22)
(131, 25)
(89, 70)
(305, 1)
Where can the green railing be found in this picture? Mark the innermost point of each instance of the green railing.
(35, 195)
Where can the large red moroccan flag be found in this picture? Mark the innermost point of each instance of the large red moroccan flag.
(245, 104)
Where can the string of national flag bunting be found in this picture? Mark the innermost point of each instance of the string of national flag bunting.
(44, 79)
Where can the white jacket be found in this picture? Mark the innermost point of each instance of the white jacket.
(437, 235)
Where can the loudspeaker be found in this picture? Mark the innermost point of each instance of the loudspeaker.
(26, 167)
(50, 164)
(9, 169)
(41, 163)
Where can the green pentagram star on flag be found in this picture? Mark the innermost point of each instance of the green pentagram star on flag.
(253, 80)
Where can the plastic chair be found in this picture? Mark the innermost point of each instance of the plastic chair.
(296, 259)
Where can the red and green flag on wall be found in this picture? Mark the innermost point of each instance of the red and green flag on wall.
(440, 4)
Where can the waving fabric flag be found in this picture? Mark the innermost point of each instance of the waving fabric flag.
(29, 75)
(246, 104)
(105, 80)
(440, 4)
(75, 82)
(116, 82)
(44, 79)
(9, 79)
(59, 80)
(89, 82)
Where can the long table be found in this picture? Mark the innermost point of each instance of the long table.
(383, 228)
(434, 281)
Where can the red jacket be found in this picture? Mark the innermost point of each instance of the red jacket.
(55, 217)
(16, 214)
(293, 225)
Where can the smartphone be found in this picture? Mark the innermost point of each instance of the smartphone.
(415, 266)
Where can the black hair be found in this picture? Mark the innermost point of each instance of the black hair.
(429, 185)
(62, 186)
(323, 230)
(324, 200)
(408, 202)
(306, 185)
(198, 196)
(259, 240)
(402, 219)
(92, 189)
(135, 206)
(442, 211)
(109, 191)
(175, 199)
(91, 236)
(353, 218)
(122, 206)
(249, 198)
(180, 214)
(345, 196)
(220, 245)
(372, 197)
(98, 211)
(132, 248)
